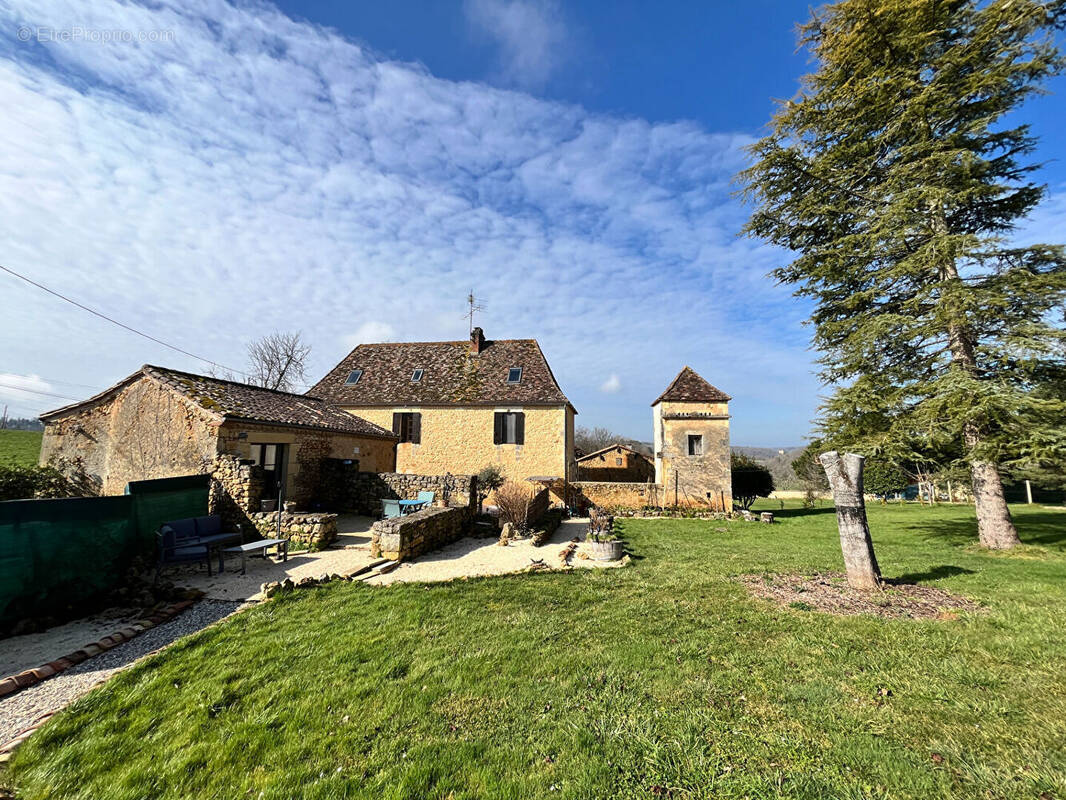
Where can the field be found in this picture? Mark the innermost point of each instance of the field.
(19, 448)
(663, 679)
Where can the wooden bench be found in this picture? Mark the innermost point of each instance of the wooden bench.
(261, 548)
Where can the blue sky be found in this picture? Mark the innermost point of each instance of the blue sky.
(352, 170)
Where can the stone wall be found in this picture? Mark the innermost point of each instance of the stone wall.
(538, 506)
(236, 489)
(345, 488)
(315, 530)
(414, 534)
(613, 494)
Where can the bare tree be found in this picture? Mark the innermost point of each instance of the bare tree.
(278, 361)
(845, 479)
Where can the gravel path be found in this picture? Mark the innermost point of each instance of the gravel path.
(34, 649)
(20, 710)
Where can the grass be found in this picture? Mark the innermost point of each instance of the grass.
(663, 679)
(19, 448)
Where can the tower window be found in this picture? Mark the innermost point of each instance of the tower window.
(695, 445)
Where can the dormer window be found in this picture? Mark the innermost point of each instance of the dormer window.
(416, 376)
(514, 375)
(353, 377)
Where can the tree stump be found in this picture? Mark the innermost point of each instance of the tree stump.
(845, 479)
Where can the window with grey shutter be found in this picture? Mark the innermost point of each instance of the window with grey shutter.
(509, 427)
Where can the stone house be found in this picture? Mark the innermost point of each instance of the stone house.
(615, 463)
(459, 406)
(691, 433)
(160, 423)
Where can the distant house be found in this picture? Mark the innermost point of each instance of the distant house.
(616, 463)
(459, 406)
(691, 429)
(160, 423)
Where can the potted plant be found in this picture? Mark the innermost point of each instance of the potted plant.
(603, 544)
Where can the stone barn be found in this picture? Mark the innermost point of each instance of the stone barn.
(160, 423)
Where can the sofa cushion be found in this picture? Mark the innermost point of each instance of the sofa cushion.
(183, 528)
(208, 526)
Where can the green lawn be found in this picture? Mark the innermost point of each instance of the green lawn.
(659, 680)
(19, 448)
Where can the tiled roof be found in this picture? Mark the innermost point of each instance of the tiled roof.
(453, 375)
(603, 450)
(688, 387)
(243, 402)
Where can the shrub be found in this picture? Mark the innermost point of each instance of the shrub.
(488, 481)
(513, 498)
(750, 480)
(22, 483)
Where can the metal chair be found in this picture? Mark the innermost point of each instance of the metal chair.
(390, 509)
(426, 497)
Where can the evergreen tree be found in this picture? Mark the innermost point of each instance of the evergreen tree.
(895, 177)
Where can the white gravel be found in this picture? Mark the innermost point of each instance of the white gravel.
(468, 558)
(21, 710)
(34, 649)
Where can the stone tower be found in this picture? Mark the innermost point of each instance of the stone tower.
(691, 423)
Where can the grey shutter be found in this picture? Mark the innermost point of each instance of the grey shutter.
(520, 428)
(397, 420)
(416, 428)
(497, 429)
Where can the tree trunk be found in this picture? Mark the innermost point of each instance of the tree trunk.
(995, 528)
(845, 478)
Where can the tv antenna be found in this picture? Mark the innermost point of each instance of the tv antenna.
(475, 306)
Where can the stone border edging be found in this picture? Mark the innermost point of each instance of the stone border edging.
(32, 677)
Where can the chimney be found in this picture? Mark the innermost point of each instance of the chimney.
(477, 340)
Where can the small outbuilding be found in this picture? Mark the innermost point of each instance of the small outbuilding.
(616, 463)
(160, 423)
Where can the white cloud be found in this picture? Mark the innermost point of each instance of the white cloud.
(261, 174)
(370, 332)
(28, 395)
(612, 385)
(531, 37)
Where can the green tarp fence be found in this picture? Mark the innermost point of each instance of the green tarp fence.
(58, 554)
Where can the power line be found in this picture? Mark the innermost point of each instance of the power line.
(35, 391)
(116, 322)
(55, 380)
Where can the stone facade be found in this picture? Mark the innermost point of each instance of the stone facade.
(314, 530)
(459, 439)
(616, 463)
(306, 450)
(414, 534)
(145, 431)
(693, 480)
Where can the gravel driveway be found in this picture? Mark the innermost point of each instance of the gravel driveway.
(21, 710)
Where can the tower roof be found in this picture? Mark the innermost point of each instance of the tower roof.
(688, 387)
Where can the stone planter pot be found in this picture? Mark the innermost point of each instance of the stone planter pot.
(290, 505)
(268, 505)
(605, 551)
